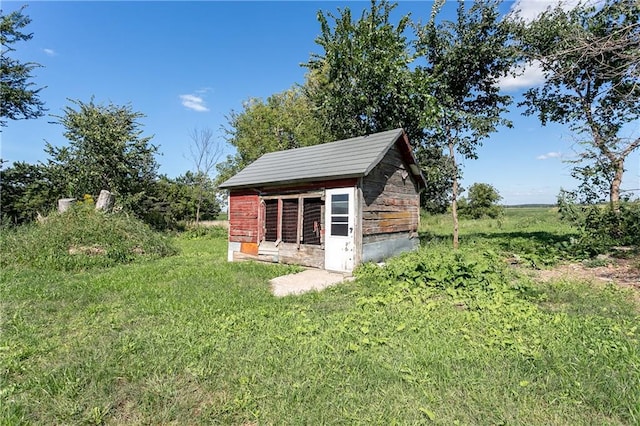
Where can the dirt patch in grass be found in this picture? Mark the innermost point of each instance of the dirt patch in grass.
(624, 272)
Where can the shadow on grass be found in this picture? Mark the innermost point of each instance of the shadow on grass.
(539, 237)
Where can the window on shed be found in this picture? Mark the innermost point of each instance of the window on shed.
(290, 220)
(340, 215)
(271, 220)
(311, 221)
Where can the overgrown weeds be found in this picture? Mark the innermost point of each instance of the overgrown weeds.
(584, 337)
(600, 228)
(82, 238)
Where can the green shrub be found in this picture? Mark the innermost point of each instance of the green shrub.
(601, 227)
(82, 238)
(465, 275)
(482, 202)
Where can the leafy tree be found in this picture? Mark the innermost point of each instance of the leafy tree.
(600, 229)
(285, 120)
(200, 191)
(464, 60)
(438, 170)
(106, 151)
(590, 56)
(205, 153)
(172, 201)
(481, 201)
(363, 83)
(19, 99)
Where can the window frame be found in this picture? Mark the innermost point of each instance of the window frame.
(338, 217)
(300, 220)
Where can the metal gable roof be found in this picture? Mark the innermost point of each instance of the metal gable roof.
(353, 157)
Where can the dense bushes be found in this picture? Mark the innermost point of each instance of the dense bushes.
(29, 190)
(81, 238)
(602, 227)
(173, 202)
(26, 190)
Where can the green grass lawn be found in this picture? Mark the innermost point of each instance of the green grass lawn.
(192, 339)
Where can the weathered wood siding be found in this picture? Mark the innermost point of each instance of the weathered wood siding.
(245, 222)
(244, 210)
(391, 202)
(305, 255)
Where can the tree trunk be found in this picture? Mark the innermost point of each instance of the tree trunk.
(198, 205)
(454, 195)
(614, 195)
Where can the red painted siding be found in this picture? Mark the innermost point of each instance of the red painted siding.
(244, 206)
(244, 210)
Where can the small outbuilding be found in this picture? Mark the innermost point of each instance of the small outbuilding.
(330, 206)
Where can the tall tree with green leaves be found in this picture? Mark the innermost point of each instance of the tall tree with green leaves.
(591, 59)
(106, 150)
(283, 121)
(481, 201)
(362, 82)
(19, 99)
(464, 61)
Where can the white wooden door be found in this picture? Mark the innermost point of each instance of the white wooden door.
(339, 247)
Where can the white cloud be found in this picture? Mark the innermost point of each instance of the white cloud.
(549, 155)
(50, 52)
(529, 75)
(193, 102)
(530, 9)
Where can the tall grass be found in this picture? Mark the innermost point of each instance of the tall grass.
(82, 238)
(434, 337)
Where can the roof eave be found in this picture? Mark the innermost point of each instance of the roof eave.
(384, 152)
(407, 153)
(321, 179)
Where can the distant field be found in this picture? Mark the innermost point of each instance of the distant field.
(435, 337)
(515, 220)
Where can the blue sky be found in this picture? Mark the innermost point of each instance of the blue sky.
(188, 64)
